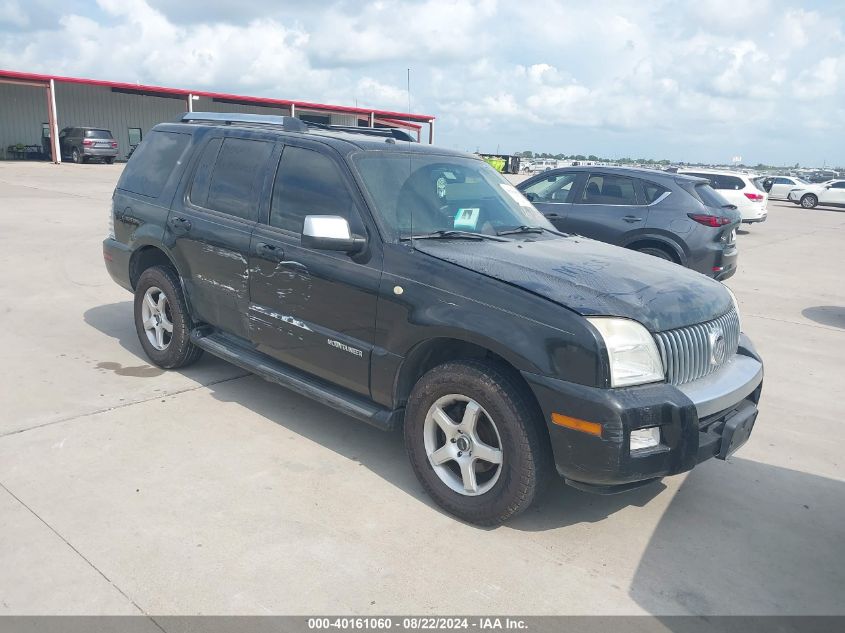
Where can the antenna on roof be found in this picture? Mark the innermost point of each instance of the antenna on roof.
(410, 167)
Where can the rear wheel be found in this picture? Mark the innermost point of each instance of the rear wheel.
(109, 160)
(76, 156)
(656, 251)
(162, 320)
(809, 201)
(475, 440)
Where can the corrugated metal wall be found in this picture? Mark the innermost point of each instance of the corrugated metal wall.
(98, 106)
(22, 111)
(204, 104)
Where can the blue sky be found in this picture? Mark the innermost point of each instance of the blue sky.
(691, 81)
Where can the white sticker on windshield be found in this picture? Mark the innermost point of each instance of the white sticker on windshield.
(514, 193)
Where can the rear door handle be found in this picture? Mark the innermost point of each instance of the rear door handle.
(181, 223)
(269, 251)
(553, 215)
(632, 218)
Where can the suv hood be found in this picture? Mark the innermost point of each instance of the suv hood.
(593, 278)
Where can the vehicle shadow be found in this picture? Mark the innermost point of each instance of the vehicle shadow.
(833, 316)
(746, 538)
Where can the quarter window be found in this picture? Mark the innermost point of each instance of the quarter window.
(153, 162)
(652, 192)
(308, 183)
(607, 189)
(552, 188)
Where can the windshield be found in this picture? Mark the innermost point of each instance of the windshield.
(422, 194)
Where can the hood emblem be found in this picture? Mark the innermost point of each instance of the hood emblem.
(718, 347)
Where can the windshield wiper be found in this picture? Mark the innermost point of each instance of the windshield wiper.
(532, 229)
(454, 234)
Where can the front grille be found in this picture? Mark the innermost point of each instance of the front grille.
(688, 353)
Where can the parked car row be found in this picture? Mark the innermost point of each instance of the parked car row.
(414, 287)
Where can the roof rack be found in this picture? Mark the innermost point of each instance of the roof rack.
(291, 124)
(384, 132)
(287, 123)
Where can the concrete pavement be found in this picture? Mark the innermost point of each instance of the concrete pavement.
(126, 489)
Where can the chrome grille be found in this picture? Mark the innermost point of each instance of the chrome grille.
(687, 352)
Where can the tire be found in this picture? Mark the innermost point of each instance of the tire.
(809, 201)
(656, 251)
(174, 349)
(76, 156)
(109, 160)
(508, 420)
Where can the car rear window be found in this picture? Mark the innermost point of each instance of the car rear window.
(97, 134)
(152, 163)
(720, 181)
(704, 193)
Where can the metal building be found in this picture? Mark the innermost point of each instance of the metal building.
(33, 108)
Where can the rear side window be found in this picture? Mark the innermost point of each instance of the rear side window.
(720, 181)
(606, 189)
(152, 163)
(231, 184)
(308, 183)
(705, 194)
(97, 134)
(652, 192)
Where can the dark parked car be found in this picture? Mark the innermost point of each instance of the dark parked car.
(413, 286)
(678, 218)
(80, 144)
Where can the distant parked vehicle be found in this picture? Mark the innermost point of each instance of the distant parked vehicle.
(779, 187)
(677, 218)
(80, 144)
(739, 189)
(829, 193)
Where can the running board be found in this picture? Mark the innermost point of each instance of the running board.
(238, 353)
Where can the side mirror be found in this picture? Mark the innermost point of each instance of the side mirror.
(330, 233)
(532, 197)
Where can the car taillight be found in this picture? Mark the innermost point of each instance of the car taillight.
(756, 197)
(114, 144)
(714, 221)
(87, 142)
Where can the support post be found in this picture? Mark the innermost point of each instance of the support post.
(190, 102)
(293, 109)
(431, 132)
(372, 119)
(53, 121)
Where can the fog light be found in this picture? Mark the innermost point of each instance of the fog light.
(645, 438)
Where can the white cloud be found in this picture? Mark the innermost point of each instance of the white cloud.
(12, 13)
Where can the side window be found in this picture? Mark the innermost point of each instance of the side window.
(720, 181)
(153, 162)
(652, 192)
(551, 189)
(838, 185)
(202, 175)
(236, 178)
(308, 183)
(783, 181)
(608, 189)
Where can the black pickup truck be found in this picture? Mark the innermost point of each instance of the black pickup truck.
(412, 286)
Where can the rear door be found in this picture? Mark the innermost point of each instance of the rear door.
(210, 227)
(607, 208)
(314, 309)
(835, 194)
(780, 187)
(552, 195)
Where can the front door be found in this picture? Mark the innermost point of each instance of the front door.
(210, 227)
(552, 195)
(607, 207)
(835, 194)
(313, 309)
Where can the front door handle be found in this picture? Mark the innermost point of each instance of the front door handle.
(181, 223)
(269, 251)
(632, 218)
(553, 215)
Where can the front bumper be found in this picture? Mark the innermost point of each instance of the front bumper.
(710, 417)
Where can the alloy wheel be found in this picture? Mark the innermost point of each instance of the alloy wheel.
(156, 318)
(463, 445)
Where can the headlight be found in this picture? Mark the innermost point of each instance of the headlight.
(736, 307)
(634, 359)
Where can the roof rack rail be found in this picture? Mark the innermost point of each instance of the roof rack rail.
(287, 123)
(384, 132)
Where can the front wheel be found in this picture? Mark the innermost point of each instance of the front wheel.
(476, 441)
(809, 201)
(162, 320)
(76, 156)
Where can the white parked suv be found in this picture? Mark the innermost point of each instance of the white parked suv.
(782, 185)
(738, 189)
(831, 192)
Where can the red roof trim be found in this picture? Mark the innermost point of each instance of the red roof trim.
(13, 74)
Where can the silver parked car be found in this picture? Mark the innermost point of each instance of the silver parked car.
(80, 144)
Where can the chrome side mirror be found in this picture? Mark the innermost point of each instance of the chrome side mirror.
(330, 233)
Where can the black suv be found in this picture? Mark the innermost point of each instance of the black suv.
(678, 218)
(80, 144)
(408, 285)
